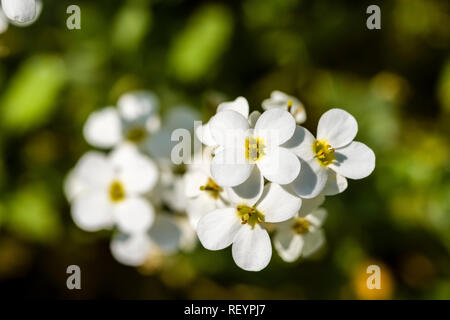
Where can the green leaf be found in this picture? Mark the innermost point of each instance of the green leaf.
(199, 46)
(31, 215)
(32, 92)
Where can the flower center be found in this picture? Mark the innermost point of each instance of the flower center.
(116, 191)
(136, 134)
(324, 152)
(249, 215)
(254, 149)
(212, 188)
(301, 226)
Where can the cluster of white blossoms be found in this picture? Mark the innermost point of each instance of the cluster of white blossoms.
(122, 190)
(21, 13)
(258, 175)
(265, 174)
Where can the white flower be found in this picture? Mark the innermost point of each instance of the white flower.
(286, 102)
(22, 22)
(163, 238)
(239, 105)
(21, 11)
(202, 192)
(302, 235)
(241, 149)
(108, 190)
(134, 120)
(241, 225)
(331, 157)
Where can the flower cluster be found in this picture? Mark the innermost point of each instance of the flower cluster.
(268, 173)
(122, 190)
(258, 175)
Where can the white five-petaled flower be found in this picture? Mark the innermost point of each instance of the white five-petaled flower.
(331, 157)
(301, 235)
(163, 238)
(134, 119)
(240, 148)
(109, 190)
(289, 103)
(242, 226)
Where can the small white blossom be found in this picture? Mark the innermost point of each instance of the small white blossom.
(331, 157)
(163, 238)
(301, 235)
(108, 190)
(134, 120)
(242, 226)
(286, 102)
(242, 148)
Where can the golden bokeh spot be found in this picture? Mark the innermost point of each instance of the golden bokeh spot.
(324, 152)
(136, 134)
(212, 188)
(249, 215)
(300, 226)
(361, 276)
(116, 191)
(254, 149)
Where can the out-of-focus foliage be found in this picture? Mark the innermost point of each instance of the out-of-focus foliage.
(396, 81)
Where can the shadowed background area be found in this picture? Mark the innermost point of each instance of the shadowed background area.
(395, 81)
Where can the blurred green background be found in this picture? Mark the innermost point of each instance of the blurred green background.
(396, 81)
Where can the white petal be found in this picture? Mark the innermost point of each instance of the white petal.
(181, 116)
(230, 168)
(196, 208)
(279, 165)
(277, 204)
(311, 180)
(288, 245)
(217, 229)
(103, 128)
(193, 181)
(301, 143)
(166, 233)
(131, 250)
(313, 241)
(239, 105)
(355, 161)
(317, 217)
(134, 215)
(73, 185)
(309, 205)
(203, 134)
(251, 248)
(91, 211)
(138, 172)
(19, 10)
(275, 126)
(3, 22)
(137, 104)
(94, 170)
(229, 128)
(249, 191)
(335, 184)
(338, 127)
(253, 118)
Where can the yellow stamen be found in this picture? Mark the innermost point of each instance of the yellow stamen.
(212, 188)
(254, 149)
(324, 152)
(116, 191)
(136, 134)
(249, 215)
(301, 226)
